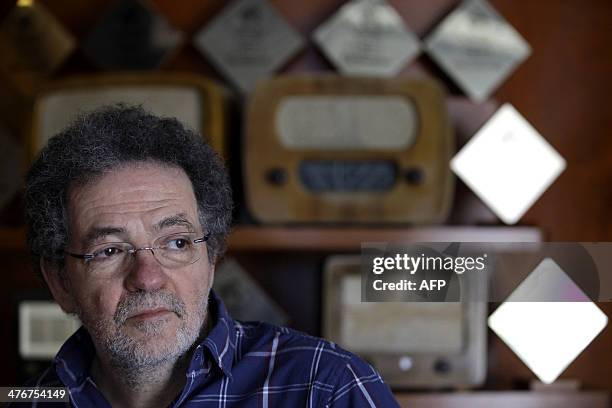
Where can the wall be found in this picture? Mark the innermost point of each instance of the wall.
(562, 89)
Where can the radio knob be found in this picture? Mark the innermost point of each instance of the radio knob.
(405, 363)
(414, 175)
(276, 176)
(442, 366)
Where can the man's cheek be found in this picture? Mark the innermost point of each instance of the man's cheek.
(99, 305)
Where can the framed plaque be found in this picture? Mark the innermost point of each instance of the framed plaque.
(244, 298)
(411, 344)
(248, 41)
(33, 41)
(133, 35)
(195, 101)
(477, 47)
(11, 164)
(367, 37)
(339, 149)
(508, 164)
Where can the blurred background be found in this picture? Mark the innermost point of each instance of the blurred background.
(57, 54)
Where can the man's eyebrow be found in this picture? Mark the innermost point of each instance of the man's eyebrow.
(96, 233)
(178, 219)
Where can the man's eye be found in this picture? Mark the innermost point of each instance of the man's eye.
(107, 253)
(178, 243)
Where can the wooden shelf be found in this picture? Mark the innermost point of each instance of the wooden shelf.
(258, 238)
(349, 238)
(506, 399)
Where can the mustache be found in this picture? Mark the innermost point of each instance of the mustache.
(139, 301)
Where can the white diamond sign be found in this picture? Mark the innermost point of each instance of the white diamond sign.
(508, 164)
(548, 335)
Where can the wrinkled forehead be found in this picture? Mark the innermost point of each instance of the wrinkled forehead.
(143, 192)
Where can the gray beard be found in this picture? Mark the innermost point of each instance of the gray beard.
(134, 360)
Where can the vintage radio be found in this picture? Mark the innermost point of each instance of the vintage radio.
(43, 328)
(342, 149)
(411, 344)
(195, 101)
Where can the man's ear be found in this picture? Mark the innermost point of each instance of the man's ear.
(58, 285)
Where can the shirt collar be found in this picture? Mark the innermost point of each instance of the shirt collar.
(221, 340)
(74, 359)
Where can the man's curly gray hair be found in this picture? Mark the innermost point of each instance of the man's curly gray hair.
(109, 138)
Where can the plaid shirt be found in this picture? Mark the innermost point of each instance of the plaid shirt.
(242, 365)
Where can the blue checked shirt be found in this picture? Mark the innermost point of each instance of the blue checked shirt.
(242, 365)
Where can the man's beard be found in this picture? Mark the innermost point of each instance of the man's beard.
(137, 357)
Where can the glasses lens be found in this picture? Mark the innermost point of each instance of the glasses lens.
(177, 250)
(109, 256)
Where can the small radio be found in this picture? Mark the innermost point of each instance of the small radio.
(195, 101)
(412, 344)
(343, 149)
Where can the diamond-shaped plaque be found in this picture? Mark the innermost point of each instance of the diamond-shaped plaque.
(32, 40)
(131, 36)
(547, 335)
(10, 163)
(367, 37)
(508, 164)
(248, 41)
(477, 48)
(244, 297)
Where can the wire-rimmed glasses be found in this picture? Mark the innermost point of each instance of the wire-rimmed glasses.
(171, 251)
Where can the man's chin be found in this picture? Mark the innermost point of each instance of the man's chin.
(142, 344)
(144, 328)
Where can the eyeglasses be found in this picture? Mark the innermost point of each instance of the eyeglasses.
(171, 251)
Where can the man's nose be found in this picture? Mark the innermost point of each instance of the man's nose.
(145, 273)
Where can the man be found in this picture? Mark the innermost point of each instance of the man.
(127, 214)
